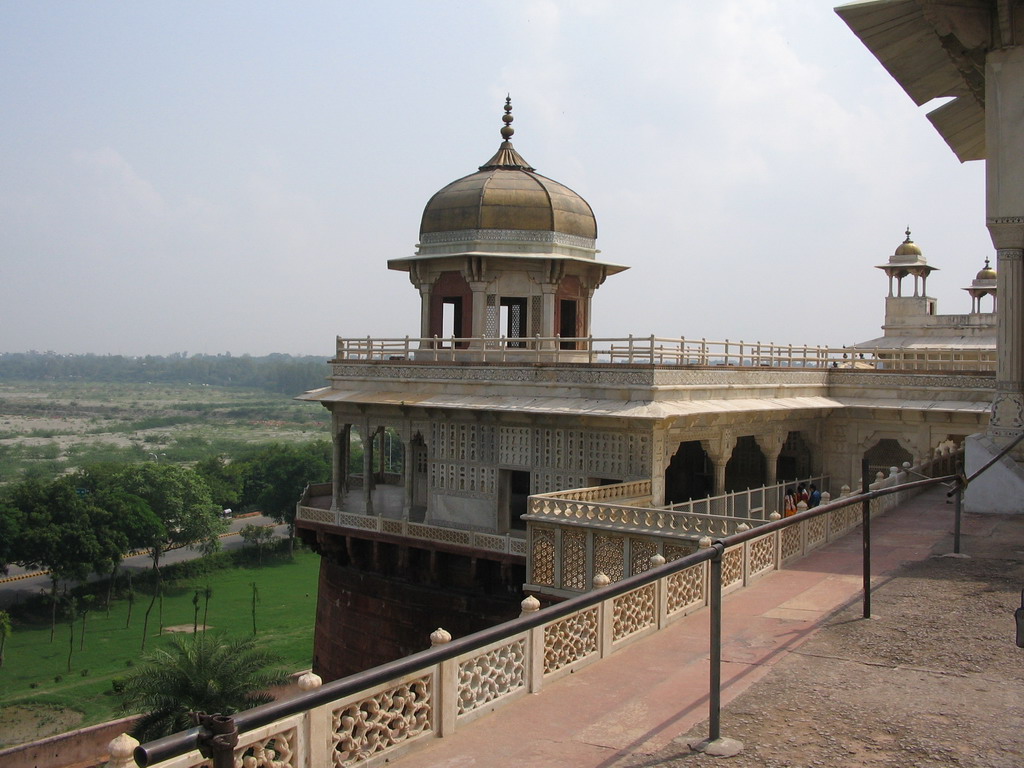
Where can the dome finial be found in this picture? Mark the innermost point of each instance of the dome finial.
(908, 240)
(507, 130)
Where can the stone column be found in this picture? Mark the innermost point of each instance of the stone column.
(339, 461)
(478, 324)
(771, 446)
(1004, 174)
(719, 451)
(547, 310)
(426, 289)
(408, 470)
(367, 438)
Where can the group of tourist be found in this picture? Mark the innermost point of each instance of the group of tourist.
(808, 494)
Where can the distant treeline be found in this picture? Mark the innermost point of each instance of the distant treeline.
(274, 373)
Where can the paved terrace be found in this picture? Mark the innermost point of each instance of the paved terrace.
(631, 708)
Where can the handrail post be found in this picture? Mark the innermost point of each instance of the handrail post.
(866, 535)
(958, 500)
(715, 605)
(714, 744)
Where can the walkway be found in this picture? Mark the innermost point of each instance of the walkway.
(641, 698)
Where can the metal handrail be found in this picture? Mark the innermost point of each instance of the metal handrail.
(185, 741)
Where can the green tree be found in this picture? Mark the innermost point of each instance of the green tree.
(180, 500)
(10, 526)
(6, 629)
(204, 673)
(225, 479)
(60, 531)
(277, 475)
(258, 536)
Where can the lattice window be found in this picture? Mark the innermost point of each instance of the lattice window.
(608, 556)
(574, 557)
(493, 317)
(816, 530)
(686, 588)
(380, 722)
(639, 455)
(550, 451)
(790, 542)
(514, 446)
(641, 552)
(542, 557)
(575, 450)
(675, 551)
(536, 314)
(491, 675)
(570, 639)
(633, 612)
(277, 751)
(761, 555)
(606, 454)
(732, 566)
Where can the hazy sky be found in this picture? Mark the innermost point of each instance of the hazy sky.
(233, 176)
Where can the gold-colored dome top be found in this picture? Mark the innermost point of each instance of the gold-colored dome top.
(908, 247)
(986, 273)
(506, 193)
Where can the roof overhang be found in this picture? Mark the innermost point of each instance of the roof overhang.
(934, 49)
(649, 410)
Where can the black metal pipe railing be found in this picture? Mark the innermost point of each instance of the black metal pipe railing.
(186, 741)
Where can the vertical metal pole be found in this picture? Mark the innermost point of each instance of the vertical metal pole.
(865, 513)
(715, 688)
(957, 501)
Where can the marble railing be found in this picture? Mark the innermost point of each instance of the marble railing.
(488, 542)
(373, 717)
(654, 350)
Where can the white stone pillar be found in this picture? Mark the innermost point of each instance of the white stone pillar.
(478, 325)
(1004, 174)
(426, 290)
(367, 438)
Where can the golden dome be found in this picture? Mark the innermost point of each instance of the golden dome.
(987, 273)
(506, 193)
(908, 247)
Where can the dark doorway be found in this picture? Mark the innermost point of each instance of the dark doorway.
(515, 488)
(746, 467)
(451, 317)
(884, 454)
(567, 323)
(794, 460)
(689, 475)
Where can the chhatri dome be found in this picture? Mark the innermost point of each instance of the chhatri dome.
(507, 193)
(506, 252)
(907, 260)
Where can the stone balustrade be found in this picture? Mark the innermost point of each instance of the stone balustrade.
(374, 716)
(659, 351)
(488, 542)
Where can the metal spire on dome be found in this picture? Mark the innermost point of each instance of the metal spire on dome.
(506, 157)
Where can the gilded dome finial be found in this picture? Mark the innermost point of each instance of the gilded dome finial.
(507, 130)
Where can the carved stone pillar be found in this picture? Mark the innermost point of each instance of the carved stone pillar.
(771, 446)
(426, 289)
(1004, 176)
(340, 458)
(479, 318)
(367, 438)
(719, 451)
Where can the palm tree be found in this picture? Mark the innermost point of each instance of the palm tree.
(204, 673)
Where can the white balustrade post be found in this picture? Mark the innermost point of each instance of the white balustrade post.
(605, 617)
(122, 751)
(447, 686)
(534, 646)
(660, 593)
(318, 726)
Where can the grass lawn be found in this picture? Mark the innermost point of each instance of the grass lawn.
(36, 670)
